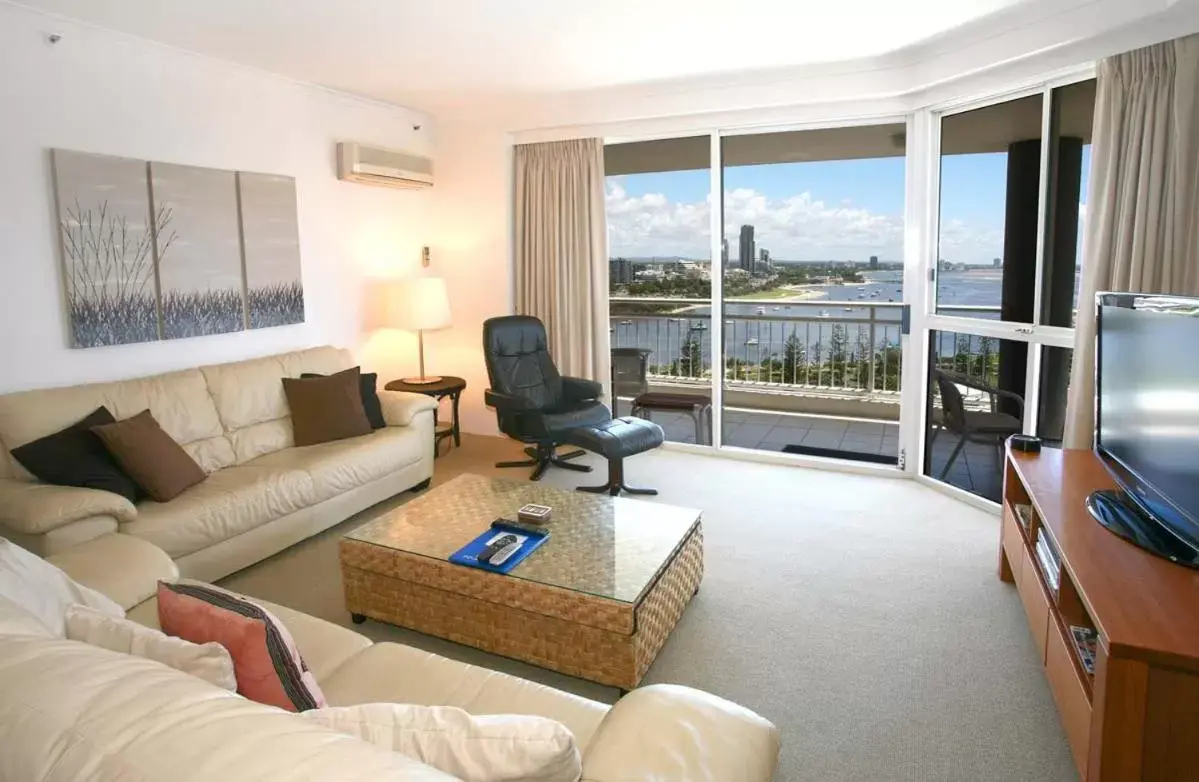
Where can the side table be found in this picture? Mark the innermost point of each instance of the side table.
(447, 386)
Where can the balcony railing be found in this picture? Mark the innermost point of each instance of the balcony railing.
(845, 347)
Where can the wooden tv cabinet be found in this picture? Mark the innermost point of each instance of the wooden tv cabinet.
(1137, 717)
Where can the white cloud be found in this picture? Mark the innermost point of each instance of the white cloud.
(799, 227)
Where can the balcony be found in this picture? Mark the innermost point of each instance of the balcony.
(818, 375)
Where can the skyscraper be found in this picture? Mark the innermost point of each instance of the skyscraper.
(745, 252)
(874, 262)
(997, 263)
(620, 271)
(764, 261)
(724, 253)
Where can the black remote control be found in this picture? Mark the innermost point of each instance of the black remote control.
(496, 546)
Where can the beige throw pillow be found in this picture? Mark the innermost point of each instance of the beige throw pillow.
(210, 662)
(485, 748)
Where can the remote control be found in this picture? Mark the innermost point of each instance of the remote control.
(496, 546)
(501, 556)
(532, 529)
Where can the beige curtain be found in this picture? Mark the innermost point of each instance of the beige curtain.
(1142, 229)
(562, 251)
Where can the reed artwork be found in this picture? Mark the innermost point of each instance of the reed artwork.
(156, 251)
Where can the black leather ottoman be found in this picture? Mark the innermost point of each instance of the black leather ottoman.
(614, 440)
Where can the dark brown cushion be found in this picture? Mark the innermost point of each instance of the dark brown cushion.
(157, 463)
(368, 386)
(326, 408)
(75, 456)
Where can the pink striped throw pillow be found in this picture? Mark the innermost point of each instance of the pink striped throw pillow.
(265, 659)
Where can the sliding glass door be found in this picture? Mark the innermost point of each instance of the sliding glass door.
(1012, 180)
(812, 256)
(659, 283)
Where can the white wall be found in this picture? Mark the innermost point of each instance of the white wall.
(103, 92)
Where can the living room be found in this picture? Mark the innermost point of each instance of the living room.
(912, 216)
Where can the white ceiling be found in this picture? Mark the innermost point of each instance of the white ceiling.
(423, 52)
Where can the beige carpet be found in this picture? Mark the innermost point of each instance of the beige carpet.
(862, 615)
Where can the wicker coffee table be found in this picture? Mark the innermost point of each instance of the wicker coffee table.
(596, 601)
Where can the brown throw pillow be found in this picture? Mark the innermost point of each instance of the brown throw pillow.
(151, 458)
(326, 408)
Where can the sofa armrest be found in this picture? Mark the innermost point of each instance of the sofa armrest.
(35, 508)
(122, 567)
(665, 731)
(400, 407)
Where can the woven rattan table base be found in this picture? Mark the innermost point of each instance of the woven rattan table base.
(594, 638)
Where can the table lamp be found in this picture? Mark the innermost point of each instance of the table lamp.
(420, 304)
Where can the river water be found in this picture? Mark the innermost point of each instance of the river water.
(870, 313)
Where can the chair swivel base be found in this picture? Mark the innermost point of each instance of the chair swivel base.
(616, 484)
(542, 456)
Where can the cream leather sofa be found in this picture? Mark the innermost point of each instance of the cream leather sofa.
(262, 494)
(73, 712)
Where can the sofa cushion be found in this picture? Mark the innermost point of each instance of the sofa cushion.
(342, 465)
(43, 590)
(490, 748)
(76, 456)
(402, 674)
(75, 712)
(148, 454)
(228, 503)
(179, 401)
(208, 661)
(249, 392)
(269, 668)
(326, 408)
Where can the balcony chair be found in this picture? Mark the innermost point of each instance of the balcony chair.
(985, 427)
(533, 403)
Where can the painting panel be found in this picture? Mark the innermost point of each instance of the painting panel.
(199, 261)
(107, 248)
(270, 232)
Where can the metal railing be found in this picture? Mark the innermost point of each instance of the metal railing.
(849, 347)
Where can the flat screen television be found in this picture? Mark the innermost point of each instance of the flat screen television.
(1147, 421)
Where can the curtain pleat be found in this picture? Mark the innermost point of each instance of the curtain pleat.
(562, 251)
(1142, 225)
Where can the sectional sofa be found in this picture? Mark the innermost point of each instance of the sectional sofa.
(261, 495)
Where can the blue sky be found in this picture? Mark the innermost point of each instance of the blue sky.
(814, 211)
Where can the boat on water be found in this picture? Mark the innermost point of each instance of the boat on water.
(626, 323)
(728, 323)
(699, 326)
(849, 309)
(751, 341)
(776, 309)
(761, 310)
(823, 314)
(874, 295)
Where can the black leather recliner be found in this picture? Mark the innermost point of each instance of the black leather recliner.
(535, 404)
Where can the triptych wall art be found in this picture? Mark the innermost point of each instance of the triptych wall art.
(157, 251)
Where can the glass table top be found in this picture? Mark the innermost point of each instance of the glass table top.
(610, 547)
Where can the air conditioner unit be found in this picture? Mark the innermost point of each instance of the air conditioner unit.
(377, 166)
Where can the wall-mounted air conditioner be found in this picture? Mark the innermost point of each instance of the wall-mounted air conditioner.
(377, 166)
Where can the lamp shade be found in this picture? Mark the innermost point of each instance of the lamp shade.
(418, 304)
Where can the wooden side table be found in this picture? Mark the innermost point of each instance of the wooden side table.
(447, 386)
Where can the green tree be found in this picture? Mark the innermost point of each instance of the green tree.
(795, 358)
(691, 358)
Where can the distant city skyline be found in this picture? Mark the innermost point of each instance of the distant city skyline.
(812, 211)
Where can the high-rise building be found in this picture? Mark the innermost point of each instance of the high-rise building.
(724, 253)
(874, 262)
(620, 271)
(764, 261)
(745, 252)
(997, 263)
